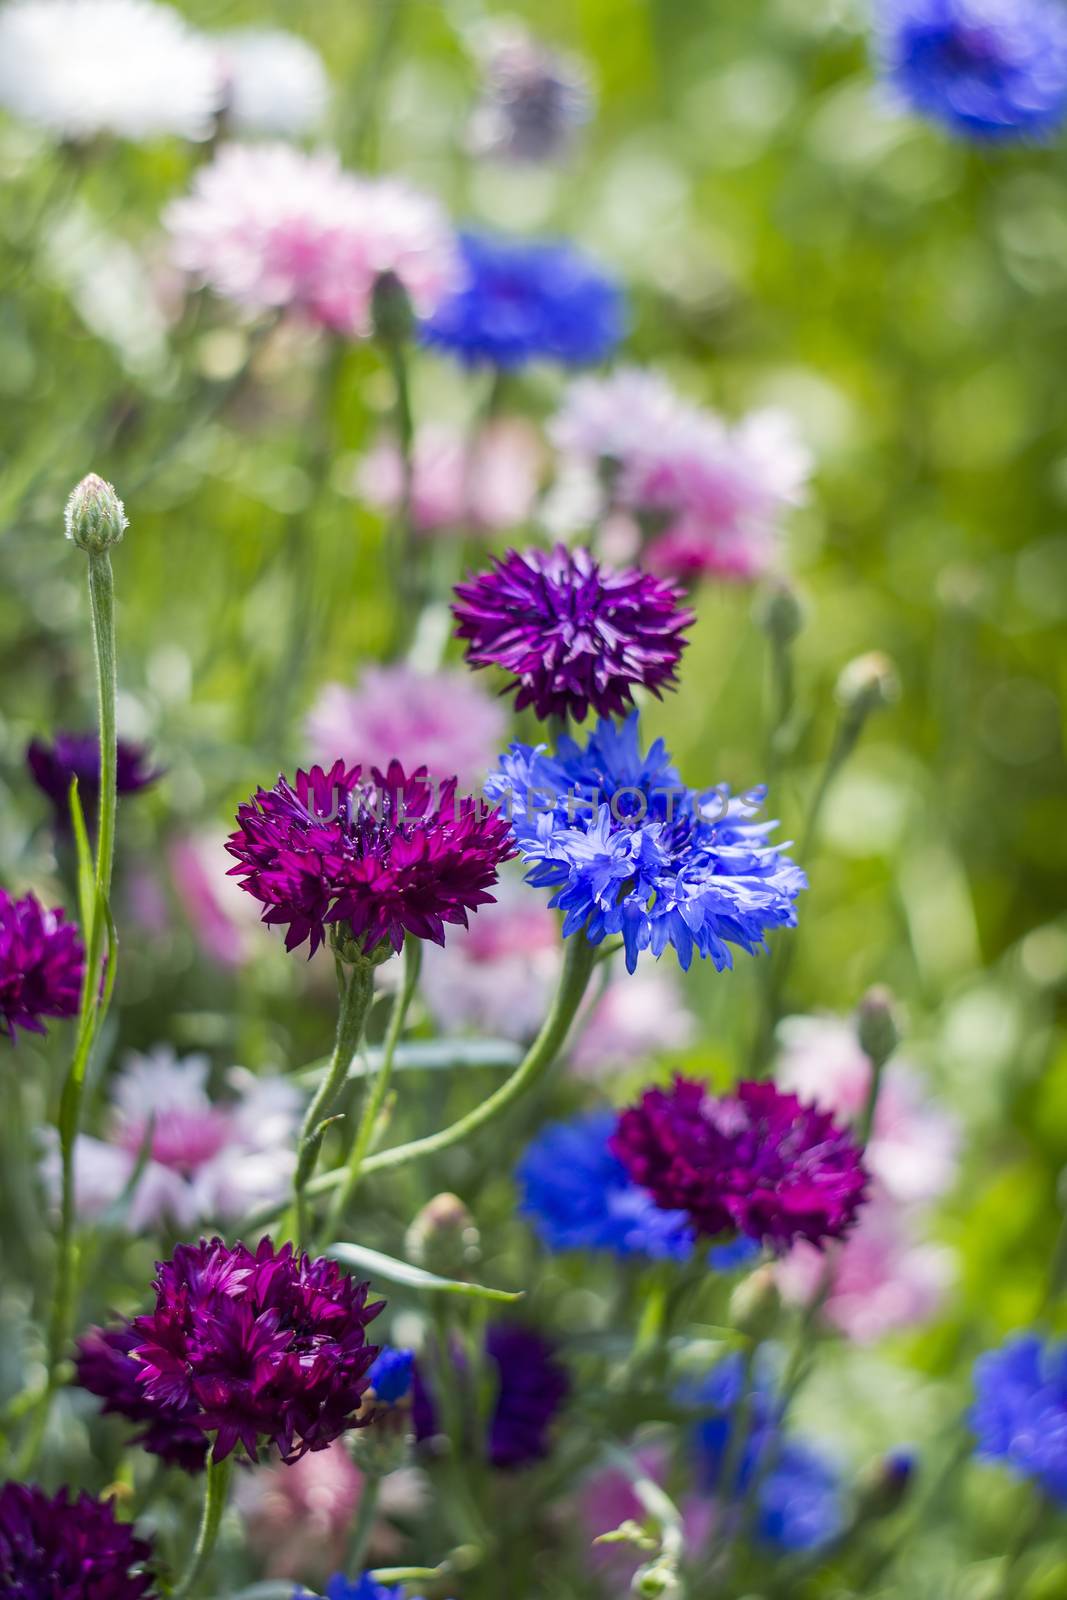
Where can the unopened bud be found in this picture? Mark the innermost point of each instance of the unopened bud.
(95, 518)
(878, 1025)
(780, 611)
(885, 1485)
(443, 1237)
(868, 684)
(657, 1581)
(755, 1304)
(391, 312)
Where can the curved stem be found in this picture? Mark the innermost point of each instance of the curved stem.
(216, 1490)
(364, 1525)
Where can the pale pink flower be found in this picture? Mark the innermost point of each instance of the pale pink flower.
(491, 488)
(208, 1160)
(634, 1019)
(222, 917)
(270, 226)
(443, 721)
(496, 978)
(620, 418)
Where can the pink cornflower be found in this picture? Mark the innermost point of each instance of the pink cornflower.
(634, 1019)
(222, 918)
(488, 489)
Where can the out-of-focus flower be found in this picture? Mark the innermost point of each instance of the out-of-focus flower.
(629, 850)
(572, 633)
(385, 857)
(222, 918)
(635, 1018)
(619, 418)
(273, 82)
(913, 1146)
(106, 1367)
(203, 1160)
(488, 488)
(270, 1347)
(85, 67)
(531, 1386)
(1020, 1410)
(756, 1162)
(63, 1548)
(989, 69)
(365, 1587)
(579, 1196)
(77, 755)
(269, 226)
(533, 101)
(392, 1375)
(519, 302)
(41, 965)
(437, 720)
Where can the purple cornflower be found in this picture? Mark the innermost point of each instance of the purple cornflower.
(756, 1162)
(268, 1348)
(573, 634)
(385, 856)
(41, 965)
(77, 755)
(106, 1367)
(531, 1386)
(56, 1548)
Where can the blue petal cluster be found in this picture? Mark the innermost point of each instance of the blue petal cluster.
(630, 850)
(1020, 1410)
(579, 1196)
(799, 1499)
(524, 302)
(362, 1588)
(392, 1375)
(990, 69)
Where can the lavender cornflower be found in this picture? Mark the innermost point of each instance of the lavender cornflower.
(267, 1348)
(53, 1547)
(574, 634)
(41, 965)
(534, 100)
(531, 1386)
(77, 755)
(106, 1367)
(1020, 1410)
(384, 855)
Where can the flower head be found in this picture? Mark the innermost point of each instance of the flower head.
(270, 226)
(572, 633)
(364, 1587)
(127, 67)
(269, 1348)
(106, 1367)
(273, 82)
(629, 850)
(531, 1386)
(533, 101)
(1020, 1410)
(756, 1162)
(392, 1375)
(77, 755)
(53, 1547)
(94, 517)
(388, 856)
(520, 302)
(41, 965)
(988, 69)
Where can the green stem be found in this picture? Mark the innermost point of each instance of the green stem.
(405, 545)
(374, 1099)
(216, 1491)
(364, 1524)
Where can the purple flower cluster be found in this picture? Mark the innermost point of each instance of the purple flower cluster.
(388, 855)
(56, 1548)
(757, 1162)
(267, 1347)
(77, 755)
(41, 965)
(107, 1367)
(531, 1386)
(574, 634)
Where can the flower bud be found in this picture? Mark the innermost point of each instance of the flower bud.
(755, 1304)
(94, 518)
(868, 684)
(657, 1581)
(780, 611)
(384, 1445)
(391, 313)
(443, 1237)
(878, 1025)
(884, 1487)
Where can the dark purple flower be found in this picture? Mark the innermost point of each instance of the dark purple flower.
(757, 1161)
(77, 755)
(573, 634)
(386, 856)
(41, 965)
(106, 1368)
(531, 1386)
(56, 1548)
(269, 1347)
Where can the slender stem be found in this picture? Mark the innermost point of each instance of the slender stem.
(355, 989)
(364, 1524)
(1057, 1275)
(374, 1099)
(1029, 1528)
(216, 1491)
(405, 546)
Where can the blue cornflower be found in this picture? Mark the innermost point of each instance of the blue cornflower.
(990, 69)
(630, 850)
(579, 1196)
(1020, 1410)
(392, 1375)
(526, 302)
(799, 1497)
(362, 1588)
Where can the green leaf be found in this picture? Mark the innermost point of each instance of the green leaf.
(409, 1277)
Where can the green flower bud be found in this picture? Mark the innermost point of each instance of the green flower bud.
(878, 1025)
(443, 1237)
(95, 518)
(391, 312)
(385, 1444)
(868, 684)
(780, 611)
(755, 1304)
(884, 1487)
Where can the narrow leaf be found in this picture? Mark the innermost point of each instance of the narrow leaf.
(409, 1277)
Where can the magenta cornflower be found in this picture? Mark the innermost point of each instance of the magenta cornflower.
(384, 856)
(756, 1162)
(53, 1547)
(265, 1349)
(574, 634)
(41, 965)
(106, 1367)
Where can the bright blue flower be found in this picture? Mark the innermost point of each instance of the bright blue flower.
(629, 850)
(362, 1588)
(799, 1498)
(526, 302)
(990, 69)
(739, 1252)
(392, 1375)
(579, 1196)
(1020, 1410)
